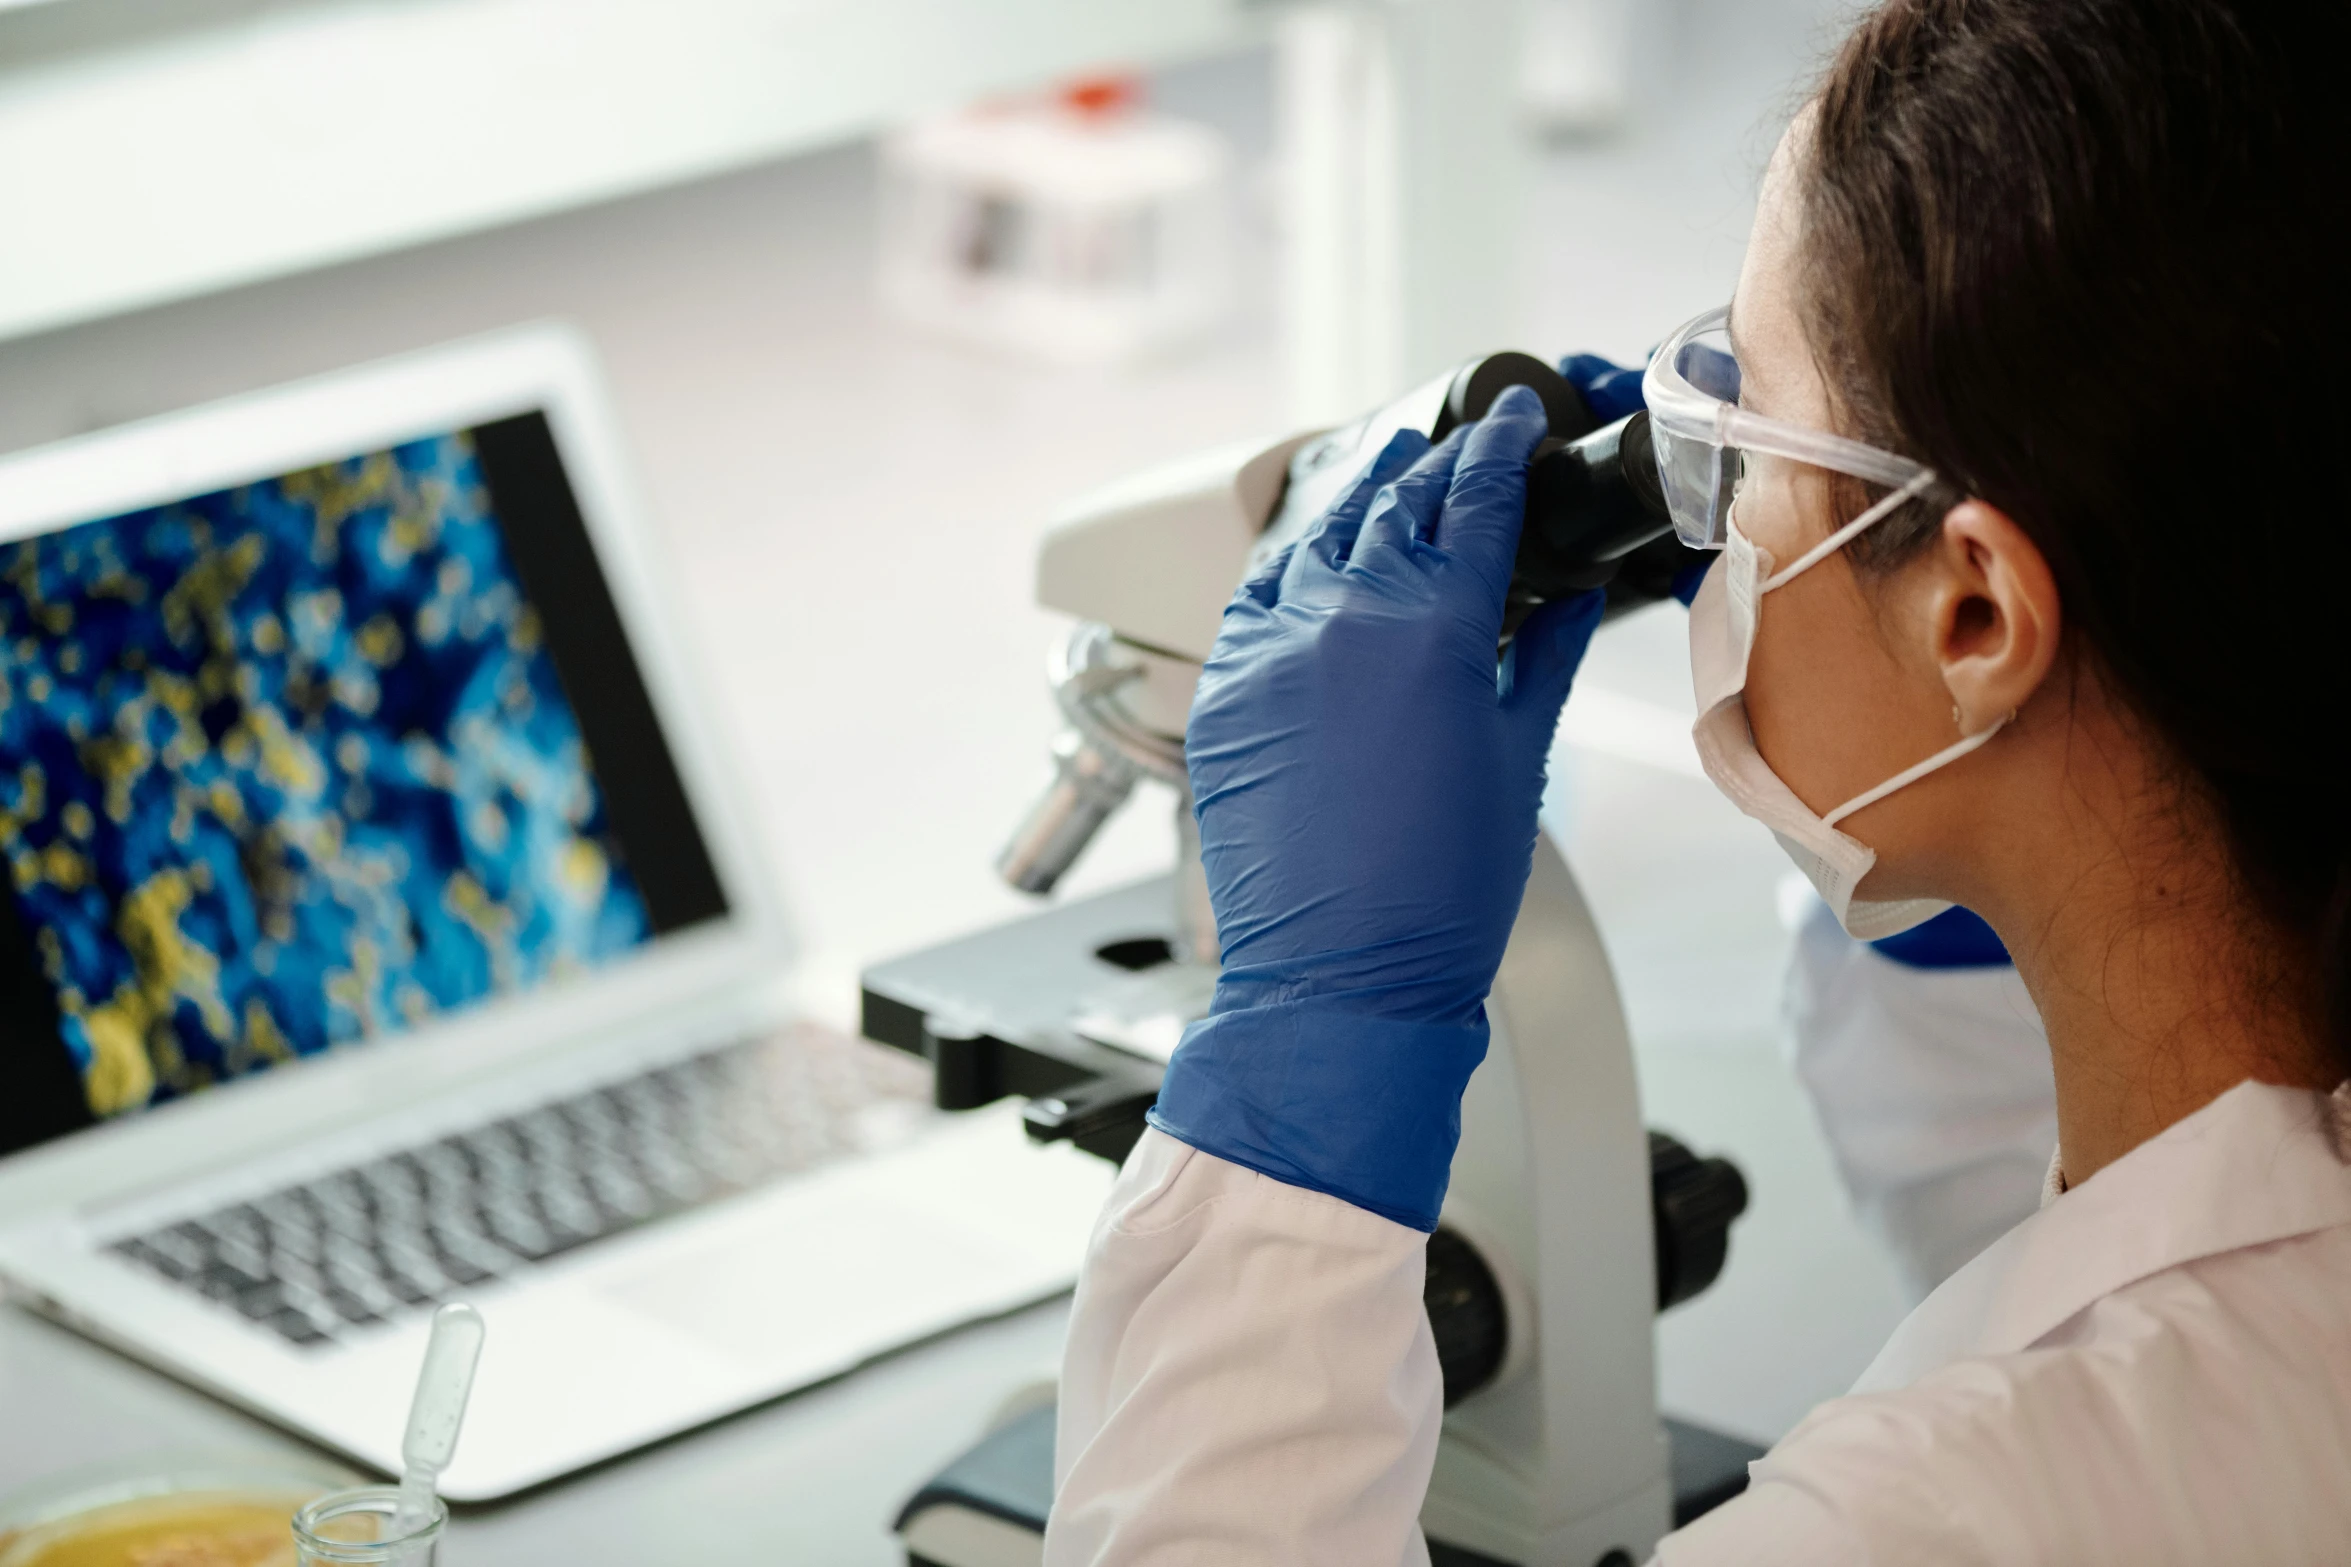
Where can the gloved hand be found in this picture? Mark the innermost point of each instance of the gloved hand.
(1610, 390)
(1366, 782)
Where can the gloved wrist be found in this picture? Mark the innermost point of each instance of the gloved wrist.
(1316, 1094)
(1358, 982)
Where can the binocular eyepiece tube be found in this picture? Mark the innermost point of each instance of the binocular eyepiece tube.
(1596, 514)
(1590, 502)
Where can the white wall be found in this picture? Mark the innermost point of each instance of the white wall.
(150, 153)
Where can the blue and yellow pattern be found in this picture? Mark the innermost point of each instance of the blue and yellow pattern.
(289, 765)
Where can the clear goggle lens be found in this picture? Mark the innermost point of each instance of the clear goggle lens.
(1702, 436)
(1700, 475)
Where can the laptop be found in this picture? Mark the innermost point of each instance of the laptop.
(383, 927)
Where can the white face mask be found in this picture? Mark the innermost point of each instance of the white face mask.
(1722, 635)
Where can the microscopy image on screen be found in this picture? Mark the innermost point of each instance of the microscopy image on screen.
(287, 766)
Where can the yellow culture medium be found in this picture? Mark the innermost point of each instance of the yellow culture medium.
(191, 1530)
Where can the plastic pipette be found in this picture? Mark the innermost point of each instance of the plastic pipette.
(436, 1412)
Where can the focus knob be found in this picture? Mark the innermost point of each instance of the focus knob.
(1693, 1202)
(1466, 1315)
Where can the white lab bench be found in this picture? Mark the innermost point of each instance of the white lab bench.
(813, 1479)
(851, 513)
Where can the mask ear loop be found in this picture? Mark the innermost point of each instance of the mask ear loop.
(1822, 551)
(1848, 533)
(1910, 775)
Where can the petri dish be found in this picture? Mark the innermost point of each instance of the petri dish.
(207, 1511)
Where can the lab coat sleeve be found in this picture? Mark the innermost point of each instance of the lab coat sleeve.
(1249, 1378)
(1771, 1524)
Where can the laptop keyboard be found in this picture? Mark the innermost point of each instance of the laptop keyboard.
(342, 1252)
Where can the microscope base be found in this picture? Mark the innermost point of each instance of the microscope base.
(987, 1509)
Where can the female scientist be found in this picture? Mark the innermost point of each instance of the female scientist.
(2031, 598)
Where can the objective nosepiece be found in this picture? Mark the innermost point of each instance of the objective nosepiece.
(1089, 784)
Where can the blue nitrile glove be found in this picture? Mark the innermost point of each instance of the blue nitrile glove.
(1955, 938)
(1366, 782)
(1610, 390)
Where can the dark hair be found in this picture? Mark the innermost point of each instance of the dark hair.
(2084, 258)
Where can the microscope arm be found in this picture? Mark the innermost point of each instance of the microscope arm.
(1155, 557)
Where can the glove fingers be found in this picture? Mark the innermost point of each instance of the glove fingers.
(1407, 509)
(1485, 506)
(1610, 390)
(1542, 660)
(1263, 584)
(1331, 541)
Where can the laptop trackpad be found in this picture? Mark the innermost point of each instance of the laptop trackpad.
(826, 1285)
(821, 1273)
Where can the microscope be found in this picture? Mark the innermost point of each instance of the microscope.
(1568, 1226)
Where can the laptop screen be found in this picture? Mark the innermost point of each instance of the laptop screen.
(313, 760)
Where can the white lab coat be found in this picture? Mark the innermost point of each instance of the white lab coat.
(1933, 1091)
(2153, 1368)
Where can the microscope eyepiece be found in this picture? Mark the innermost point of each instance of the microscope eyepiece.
(1590, 502)
(1593, 496)
(1596, 512)
(1476, 385)
(1596, 515)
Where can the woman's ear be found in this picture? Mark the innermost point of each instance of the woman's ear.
(1994, 613)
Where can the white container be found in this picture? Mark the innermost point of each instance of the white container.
(1082, 229)
(1576, 73)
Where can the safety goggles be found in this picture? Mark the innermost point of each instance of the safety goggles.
(1702, 435)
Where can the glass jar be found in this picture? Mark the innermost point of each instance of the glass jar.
(354, 1529)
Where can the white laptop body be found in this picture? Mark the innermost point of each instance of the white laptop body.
(633, 931)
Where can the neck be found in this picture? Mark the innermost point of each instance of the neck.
(2153, 1013)
(2160, 986)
